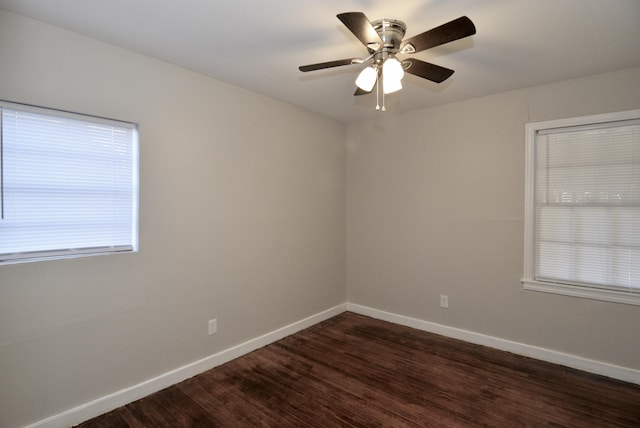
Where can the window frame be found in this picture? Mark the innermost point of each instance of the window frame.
(67, 253)
(563, 288)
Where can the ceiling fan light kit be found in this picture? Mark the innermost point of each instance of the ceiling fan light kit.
(383, 39)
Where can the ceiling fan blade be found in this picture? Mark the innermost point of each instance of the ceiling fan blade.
(426, 70)
(329, 64)
(452, 30)
(360, 26)
(360, 92)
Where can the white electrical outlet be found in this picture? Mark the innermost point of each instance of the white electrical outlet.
(444, 301)
(213, 326)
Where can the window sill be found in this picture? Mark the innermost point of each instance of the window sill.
(628, 298)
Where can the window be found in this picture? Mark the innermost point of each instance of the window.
(68, 184)
(582, 217)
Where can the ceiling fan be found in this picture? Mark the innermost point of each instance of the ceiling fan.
(384, 41)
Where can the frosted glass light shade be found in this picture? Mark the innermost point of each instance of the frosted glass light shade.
(367, 79)
(392, 74)
(392, 69)
(390, 86)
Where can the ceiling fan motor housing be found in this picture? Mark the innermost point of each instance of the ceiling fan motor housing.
(391, 31)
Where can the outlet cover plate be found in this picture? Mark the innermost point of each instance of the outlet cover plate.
(213, 326)
(444, 301)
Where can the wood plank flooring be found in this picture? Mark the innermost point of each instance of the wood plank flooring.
(354, 371)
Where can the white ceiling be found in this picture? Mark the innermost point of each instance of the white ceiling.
(259, 44)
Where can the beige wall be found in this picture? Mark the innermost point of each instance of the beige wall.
(242, 218)
(435, 203)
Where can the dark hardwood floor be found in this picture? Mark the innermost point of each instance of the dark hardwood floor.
(354, 371)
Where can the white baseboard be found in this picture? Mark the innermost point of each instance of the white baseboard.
(616, 372)
(128, 395)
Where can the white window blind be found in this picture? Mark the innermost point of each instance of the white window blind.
(68, 184)
(585, 210)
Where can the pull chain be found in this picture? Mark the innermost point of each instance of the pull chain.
(377, 91)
